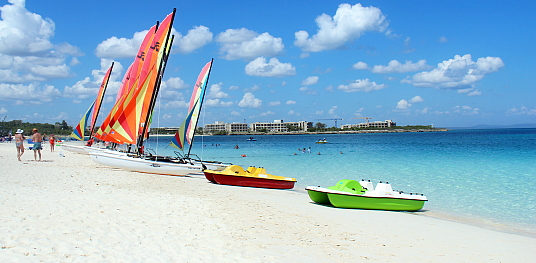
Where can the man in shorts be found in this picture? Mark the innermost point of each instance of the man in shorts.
(37, 138)
(19, 143)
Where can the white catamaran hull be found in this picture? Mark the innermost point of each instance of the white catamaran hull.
(145, 166)
(75, 148)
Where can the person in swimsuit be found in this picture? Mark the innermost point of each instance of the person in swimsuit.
(52, 141)
(37, 138)
(19, 143)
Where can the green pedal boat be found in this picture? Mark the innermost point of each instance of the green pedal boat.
(362, 195)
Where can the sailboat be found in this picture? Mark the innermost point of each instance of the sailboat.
(79, 132)
(128, 122)
(186, 132)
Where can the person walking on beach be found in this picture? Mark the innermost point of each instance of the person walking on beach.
(52, 141)
(37, 138)
(19, 143)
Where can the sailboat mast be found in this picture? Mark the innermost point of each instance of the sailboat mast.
(100, 103)
(161, 68)
(200, 106)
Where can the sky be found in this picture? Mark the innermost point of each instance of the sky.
(441, 63)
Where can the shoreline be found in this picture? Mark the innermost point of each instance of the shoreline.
(313, 133)
(69, 208)
(481, 222)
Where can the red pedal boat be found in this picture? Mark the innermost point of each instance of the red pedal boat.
(252, 177)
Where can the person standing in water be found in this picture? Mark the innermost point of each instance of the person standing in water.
(37, 138)
(19, 143)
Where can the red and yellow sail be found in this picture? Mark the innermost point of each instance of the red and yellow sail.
(129, 114)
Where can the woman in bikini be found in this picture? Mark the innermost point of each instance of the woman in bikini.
(19, 143)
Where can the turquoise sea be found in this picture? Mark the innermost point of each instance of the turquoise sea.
(481, 177)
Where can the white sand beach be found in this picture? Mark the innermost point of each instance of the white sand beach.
(69, 209)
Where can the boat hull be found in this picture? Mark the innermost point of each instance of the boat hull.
(248, 181)
(75, 148)
(374, 203)
(318, 197)
(145, 166)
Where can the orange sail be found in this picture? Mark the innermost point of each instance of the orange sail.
(130, 114)
(129, 83)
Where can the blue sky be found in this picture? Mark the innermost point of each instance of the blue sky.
(446, 63)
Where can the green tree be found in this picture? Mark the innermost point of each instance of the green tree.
(320, 125)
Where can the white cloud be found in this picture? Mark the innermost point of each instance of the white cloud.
(465, 110)
(87, 88)
(174, 104)
(235, 113)
(215, 92)
(416, 99)
(348, 24)
(246, 44)
(361, 66)
(472, 91)
(261, 68)
(28, 93)
(175, 83)
(249, 101)
(267, 113)
(310, 81)
(404, 104)
(521, 111)
(3, 110)
(114, 47)
(253, 88)
(407, 45)
(26, 51)
(196, 38)
(303, 89)
(275, 103)
(443, 39)
(456, 73)
(23, 33)
(217, 103)
(362, 85)
(332, 110)
(290, 102)
(396, 67)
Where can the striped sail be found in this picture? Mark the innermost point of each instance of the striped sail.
(129, 114)
(80, 130)
(187, 129)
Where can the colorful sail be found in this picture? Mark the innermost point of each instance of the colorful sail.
(187, 129)
(122, 89)
(197, 100)
(131, 79)
(179, 139)
(130, 113)
(100, 98)
(80, 130)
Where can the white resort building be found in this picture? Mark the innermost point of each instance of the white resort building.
(376, 124)
(276, 126)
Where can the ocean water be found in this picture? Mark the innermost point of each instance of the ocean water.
(482, 177)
